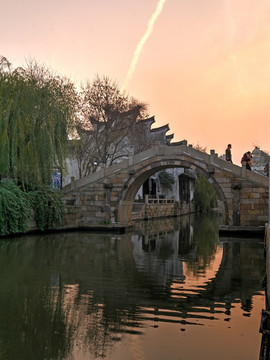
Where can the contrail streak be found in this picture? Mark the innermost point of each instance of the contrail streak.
(142, 42)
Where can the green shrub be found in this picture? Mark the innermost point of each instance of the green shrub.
(48, 206)
(166, 179)
(15, 208)
(16, 205)
(205, 196)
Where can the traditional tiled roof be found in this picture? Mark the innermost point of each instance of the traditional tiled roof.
(161, 128)
(150, 120)
(177, 143)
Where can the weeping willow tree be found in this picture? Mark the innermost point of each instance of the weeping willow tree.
(15, 209)
(37, 113)
(205, 196)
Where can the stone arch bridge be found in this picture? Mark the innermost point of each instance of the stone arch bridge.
(107, 196)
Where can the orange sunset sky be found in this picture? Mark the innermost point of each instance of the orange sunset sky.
(204, 69)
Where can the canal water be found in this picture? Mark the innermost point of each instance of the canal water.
(170, 289)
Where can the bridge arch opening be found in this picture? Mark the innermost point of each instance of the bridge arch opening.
(147, 170)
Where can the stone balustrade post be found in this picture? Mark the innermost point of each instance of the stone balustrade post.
(213, 155)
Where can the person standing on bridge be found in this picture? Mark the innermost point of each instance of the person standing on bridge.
(246, 159)
(228, 153)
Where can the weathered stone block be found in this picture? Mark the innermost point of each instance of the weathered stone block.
(253, 195)
(244, 208)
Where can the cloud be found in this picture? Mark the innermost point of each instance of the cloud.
(141, 43)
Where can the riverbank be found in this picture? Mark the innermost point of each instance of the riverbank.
(224, 230)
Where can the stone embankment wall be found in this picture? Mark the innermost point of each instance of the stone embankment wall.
(88, 208)
(253, 205)
(94, 211)
(159, 210)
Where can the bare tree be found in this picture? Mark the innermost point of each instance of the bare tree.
(106, 124)
(200, 147)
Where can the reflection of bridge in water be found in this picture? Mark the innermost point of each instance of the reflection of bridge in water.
(148, 278)
(89, 290)
(233, 278)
